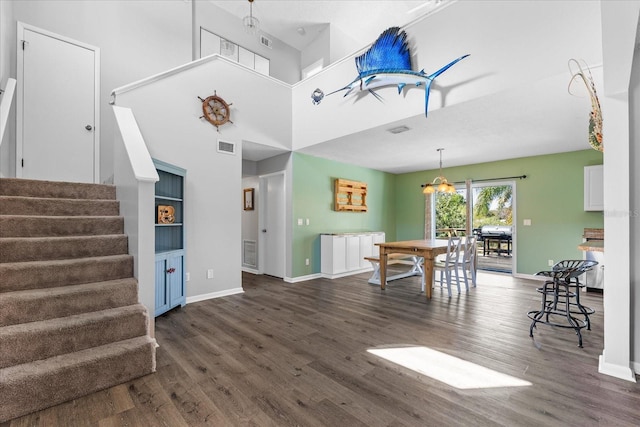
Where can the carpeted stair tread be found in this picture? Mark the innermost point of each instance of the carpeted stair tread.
(27, 342)
(54, 189)
(37, 385)
(50, 226)
(20, 249)
(18, 205)
(18, 276)
(41, 304)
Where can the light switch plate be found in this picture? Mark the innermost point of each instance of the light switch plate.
(526, 222)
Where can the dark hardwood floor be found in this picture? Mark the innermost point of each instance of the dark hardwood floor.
(286, 354)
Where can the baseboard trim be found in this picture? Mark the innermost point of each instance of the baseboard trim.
(302, 278)
(250, 270)
(617, 371)
(529, 277)
(212, 295)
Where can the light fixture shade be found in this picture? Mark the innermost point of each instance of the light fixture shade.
(251, 24)
(451, 189)
(429, 189)
(443, 187)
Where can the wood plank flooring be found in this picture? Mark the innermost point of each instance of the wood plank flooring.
(286, 354)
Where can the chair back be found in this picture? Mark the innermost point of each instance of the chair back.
(469, 249)
(453, 250)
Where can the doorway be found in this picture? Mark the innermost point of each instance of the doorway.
(490, 212)
(57, 107)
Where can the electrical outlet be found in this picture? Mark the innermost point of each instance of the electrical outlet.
(307, 221)
(526, 222)
(187, 277)
(210, 274)
(299, 221)
(306, 261)
(551, 263)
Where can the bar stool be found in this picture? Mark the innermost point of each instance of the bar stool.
(578, 267)
(556, 303)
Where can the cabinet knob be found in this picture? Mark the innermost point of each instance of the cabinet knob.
(171, 270)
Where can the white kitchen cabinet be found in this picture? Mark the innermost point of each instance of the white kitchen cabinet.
(593, 188)
(343, 254)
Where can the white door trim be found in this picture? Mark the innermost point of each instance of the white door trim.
(21, 27)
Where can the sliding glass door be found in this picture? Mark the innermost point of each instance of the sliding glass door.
(488, 214)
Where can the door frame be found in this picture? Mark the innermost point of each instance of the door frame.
(21, 27)
(262, 197)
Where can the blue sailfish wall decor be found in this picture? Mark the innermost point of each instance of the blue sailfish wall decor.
(388, 62)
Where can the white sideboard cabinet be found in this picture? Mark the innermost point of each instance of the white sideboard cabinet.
(343, 254)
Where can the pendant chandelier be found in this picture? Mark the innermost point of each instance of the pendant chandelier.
(444, 186)
(251, 23)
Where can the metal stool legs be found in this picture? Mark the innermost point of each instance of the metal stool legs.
(556, 304)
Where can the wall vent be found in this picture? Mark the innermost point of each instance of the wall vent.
(226, 147)
(266, 42)
(249, 253)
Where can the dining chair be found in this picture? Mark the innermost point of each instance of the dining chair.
(467, 260)
(449, 264)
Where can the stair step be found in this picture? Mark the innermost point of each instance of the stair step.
(28, 342)
(50, 226)
(20, 249)
(19, 205)
(37, 385)
(41, 304)
(54, 189)
(19, 276)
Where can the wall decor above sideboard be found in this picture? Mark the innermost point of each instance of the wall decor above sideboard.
(350, 195)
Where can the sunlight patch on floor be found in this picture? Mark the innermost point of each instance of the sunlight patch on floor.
(448, 369)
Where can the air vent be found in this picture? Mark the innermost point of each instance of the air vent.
(226, 147)
(398, 129)
(249, 253)
(266, 42)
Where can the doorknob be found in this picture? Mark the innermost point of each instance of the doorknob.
(264, 230)
(88, 127)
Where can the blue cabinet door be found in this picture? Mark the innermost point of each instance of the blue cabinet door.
(169, 281)
(162, 296)
(175, 281)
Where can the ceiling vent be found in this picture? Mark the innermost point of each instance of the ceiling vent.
(226, 147)
(398, 129)
(266, 42)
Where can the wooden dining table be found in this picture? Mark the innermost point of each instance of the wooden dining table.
(427, 249)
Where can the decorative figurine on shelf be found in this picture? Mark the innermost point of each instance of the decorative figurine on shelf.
(595, 116)
(388, 62)
(216, 110)
(166, 214)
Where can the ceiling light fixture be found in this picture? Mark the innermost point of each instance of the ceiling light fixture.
(444, 186)
(251, 23)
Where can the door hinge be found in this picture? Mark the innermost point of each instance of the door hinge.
(22, 162)
(24, 43)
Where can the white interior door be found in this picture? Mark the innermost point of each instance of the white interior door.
(58, 90)
(272, 225)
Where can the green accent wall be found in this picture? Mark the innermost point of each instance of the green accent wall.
(551, 197)
(313, 180)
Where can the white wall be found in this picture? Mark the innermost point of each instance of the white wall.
(634, 181)
(7, 51)
(168, 111)
(341, 44)
(285, 60)
(137, 38)
(250, 218)
(442, 37)
(317, 49)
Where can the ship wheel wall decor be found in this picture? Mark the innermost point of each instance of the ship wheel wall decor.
(216, 110)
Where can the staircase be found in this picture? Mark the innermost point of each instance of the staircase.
(70, 321)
